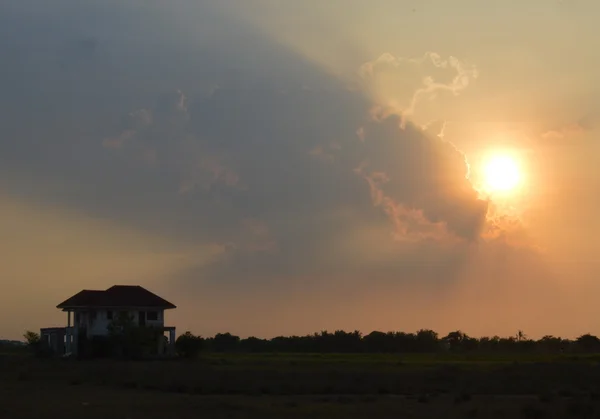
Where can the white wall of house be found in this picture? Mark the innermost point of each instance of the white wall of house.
(158, 320)
(98, 326)
(97, 321)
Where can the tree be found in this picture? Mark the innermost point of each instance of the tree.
(488, 344)
(37, 346)
(31, 338)
(188, 345)
(521, 336)
(253, 344)
(377, 341)
(225, 342)
(427, 341)
(130, 340)
(422, 341)
(550, 343)
(455, 340)
(588, 343)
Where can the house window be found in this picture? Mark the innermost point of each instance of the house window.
(152, 315)
(93, 315)
(109, 315)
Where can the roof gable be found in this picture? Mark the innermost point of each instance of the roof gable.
(116, 296)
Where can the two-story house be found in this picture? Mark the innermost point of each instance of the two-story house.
(90, 312)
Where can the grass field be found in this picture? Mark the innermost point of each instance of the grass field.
(304, 385)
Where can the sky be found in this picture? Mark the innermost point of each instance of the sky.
(275, 167)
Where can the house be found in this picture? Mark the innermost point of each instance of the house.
(90, 312)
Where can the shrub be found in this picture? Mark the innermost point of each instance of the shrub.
(31, 338)
(188, 345)
(39, 347)
(130, 341)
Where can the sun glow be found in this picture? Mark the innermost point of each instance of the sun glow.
(501, 173)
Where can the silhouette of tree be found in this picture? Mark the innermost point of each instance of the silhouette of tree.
(550, 343)
(426, 341)
(129, 340)
(188, 345)
(488, 344)
(38, 347)
(456, 340)
(588, 343)
(225, 342)
(423, 341)
(378, 342)
(254, 344)
(31, 338)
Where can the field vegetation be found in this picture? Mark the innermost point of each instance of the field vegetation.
(225, 376)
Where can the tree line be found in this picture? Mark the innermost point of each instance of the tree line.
(422, 341)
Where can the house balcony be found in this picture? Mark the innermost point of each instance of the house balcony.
(63, 341)
(59, 339)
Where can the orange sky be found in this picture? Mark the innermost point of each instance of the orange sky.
(278, 168)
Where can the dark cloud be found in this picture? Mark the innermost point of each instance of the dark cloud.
(237, 142)
(423, 172)
(253, 158)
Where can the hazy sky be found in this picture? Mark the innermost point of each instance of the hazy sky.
(284, 167)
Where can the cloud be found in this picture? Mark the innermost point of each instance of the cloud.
(162, 136)
(275, 192)
(423, 173)
(197, 175)
(409, 224)
(571, 130)
(119, 140)
(325, 152)
(389, 78)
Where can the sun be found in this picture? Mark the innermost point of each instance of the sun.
(501, 174)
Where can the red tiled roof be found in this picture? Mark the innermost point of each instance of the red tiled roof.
(116, 296)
